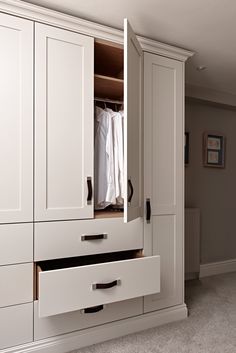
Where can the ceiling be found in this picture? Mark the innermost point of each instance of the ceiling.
(206, 27)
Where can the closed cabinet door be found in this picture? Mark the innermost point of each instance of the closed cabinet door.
(133, 125)
(163, 178)
(63, 124)
(16, 119)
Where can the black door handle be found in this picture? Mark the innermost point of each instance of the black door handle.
(90, 190)
(148, 210)
(94, 309)
(93, 237)
(131, 190)
(108, 285)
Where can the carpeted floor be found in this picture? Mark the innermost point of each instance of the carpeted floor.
(210, 327)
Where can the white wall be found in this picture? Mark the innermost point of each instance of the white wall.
(213, 190)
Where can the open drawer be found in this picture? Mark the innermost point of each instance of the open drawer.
(78, 283)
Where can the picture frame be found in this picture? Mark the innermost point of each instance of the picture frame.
(214, 149)
(186, 148)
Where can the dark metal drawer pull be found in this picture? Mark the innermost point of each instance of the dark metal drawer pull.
(94, 309)
(131, 190)
(93, 237)
(148, 210)
(117, 282)
(90, 190)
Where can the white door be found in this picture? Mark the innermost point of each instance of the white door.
(63, 124)
(133, 73)
(163, 177)
(16, 119)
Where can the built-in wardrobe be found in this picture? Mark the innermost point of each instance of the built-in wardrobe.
(71, 273)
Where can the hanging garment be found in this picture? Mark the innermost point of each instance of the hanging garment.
(104, 160)
(118, 148)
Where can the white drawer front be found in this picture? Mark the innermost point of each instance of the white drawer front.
(72, 289)
(16, 325)
(78, 320)
(16, 283)
(16, 243)
(63, 239)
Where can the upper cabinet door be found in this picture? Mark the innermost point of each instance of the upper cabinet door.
(64, 64)
(16, 122)
(133, 126)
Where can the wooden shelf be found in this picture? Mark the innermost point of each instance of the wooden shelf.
(109, 59)
(108, 87)
(108, 214)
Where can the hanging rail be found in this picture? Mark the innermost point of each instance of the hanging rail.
(107, 100)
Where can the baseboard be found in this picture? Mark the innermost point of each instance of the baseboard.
(216, 268)
(79, 339)
(191, 275)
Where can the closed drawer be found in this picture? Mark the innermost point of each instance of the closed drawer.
(16, 325)
(77, 238)
(63, 290)
(81, 319)
(16, 283)
(16, 243)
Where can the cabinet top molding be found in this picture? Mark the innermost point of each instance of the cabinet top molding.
(72, 23)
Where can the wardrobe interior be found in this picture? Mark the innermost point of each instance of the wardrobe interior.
(108, 129)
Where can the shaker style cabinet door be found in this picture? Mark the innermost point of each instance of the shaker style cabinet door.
(133, 73)
(163, 178)
(63, 124)
(16, 119)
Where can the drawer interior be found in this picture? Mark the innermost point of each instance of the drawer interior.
(57, 264)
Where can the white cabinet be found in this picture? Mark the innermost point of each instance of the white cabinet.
(16, 123)
(163, 177)
(16, 284)
(86, 263)
(68, 289)
(16, 325)
(16, 243)
(54, 240)
(63, 124)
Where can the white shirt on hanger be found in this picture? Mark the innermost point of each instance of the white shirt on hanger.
(104, 160)
(118, 147)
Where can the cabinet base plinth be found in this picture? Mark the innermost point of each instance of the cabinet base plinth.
(72, 341)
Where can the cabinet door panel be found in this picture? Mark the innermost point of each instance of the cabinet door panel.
(64, 123)
(16, 123)
(167, 245)
(163, 178)
(163, 133)
(133, 71)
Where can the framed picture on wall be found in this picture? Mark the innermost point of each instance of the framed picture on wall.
(186, 148)
(213, 150)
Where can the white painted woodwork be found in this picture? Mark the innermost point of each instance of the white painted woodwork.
(16, 123)
(100, 333)
(63, 239)
(133, 128)
(78, 320)
(168, 246)
(70, 289)
(63, 123)
(64, 143)
(163, 177)
(16, 325)
(93, 29)
(16, 243)
(16, 283)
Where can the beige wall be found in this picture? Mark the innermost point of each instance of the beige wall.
(213, 190)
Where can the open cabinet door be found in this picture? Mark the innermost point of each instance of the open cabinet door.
(133, 97)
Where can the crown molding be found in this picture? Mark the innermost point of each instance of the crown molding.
(72, 23)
